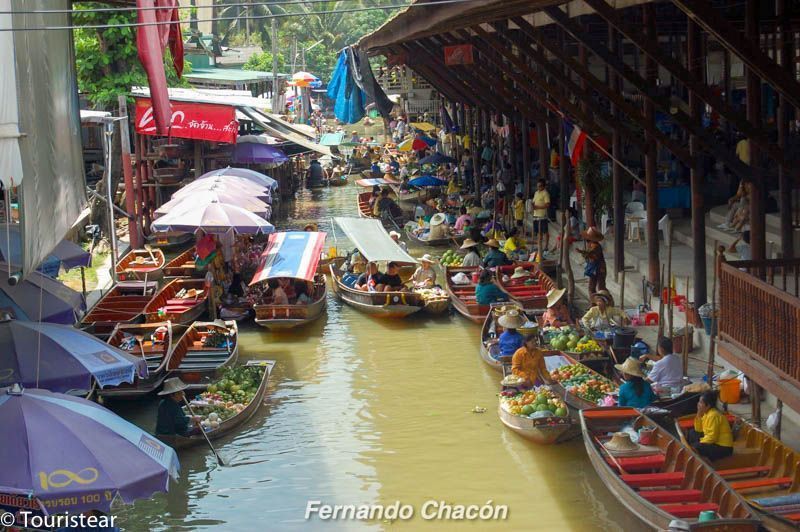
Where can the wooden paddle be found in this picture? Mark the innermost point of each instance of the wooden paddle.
(149, 249)
(608, 453)
(220, 461)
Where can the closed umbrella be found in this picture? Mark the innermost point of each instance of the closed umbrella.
(68, 454)
(61, 358)
(245, 173)
(202, 197)
(66, 253)
(40, 298)
(214, 217)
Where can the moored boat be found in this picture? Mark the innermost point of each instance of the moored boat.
(169, 240)
(180, 301)
(436, 242)
(364, 210)
(141, 265)
(580, 385)
(338, 181)
(379, 304)
(183, 265)
(531, 291)
(123, 303)
(546, 424)
(462, 296)
(203, 350)
(764, 470)
(227, 426)
(151, 341)
(663, 480)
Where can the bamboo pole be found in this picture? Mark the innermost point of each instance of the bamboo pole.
(685, 349)
(622, 291)
(661, 303)
(712, 344)
(669, 279)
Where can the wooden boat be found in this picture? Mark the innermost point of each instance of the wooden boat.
(379, 304)
(293, 315)
(544, 431)
(141, 265)
(194, 362)
(490, 349)
(322, 266)
(123, 303)
(764, 470)
(173, 303)
(169, 240)
(573, 400)
(364, 210)
(227, 426)
(664, 480)
(156, 353)
(435, 307)
(339, 181)
(184, 266)
(437, 242)
(529, 296)
(462, 296)
(411, 196)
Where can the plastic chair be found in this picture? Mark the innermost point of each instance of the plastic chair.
(635, 218)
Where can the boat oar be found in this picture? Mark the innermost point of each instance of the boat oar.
(608, 453)
(149, 249)
(220, 461)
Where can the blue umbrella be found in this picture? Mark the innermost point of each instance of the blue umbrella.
(39, 298)
(66, 253)
(61, 358)
(427, 181)
(65, 454)
(437, 158)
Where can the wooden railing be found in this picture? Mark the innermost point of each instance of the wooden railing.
(760, 311)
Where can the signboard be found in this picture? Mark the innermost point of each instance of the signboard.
(460, 54)
(200, 121)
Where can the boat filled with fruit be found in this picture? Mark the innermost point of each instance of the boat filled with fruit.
(581, 386)
(226, 403)
(434, 300)
(572, 340)
(451, 259)
(537, 414)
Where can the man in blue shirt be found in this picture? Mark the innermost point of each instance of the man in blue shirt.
(510, 340)
(495, 257)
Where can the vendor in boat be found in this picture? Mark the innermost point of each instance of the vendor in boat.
(635, 391)
(302, 293)
(486, 292)
(464, 220)
(375, 169)
(368, 281)
(493, 228)
(472, 259)
(374, 197)
(510, 339)
(394, 164)
(387, 205)
(557, 313)
(495, 257)
(711, 436)
(439, 227)
(513, 243)
(279, 296)
(528, 362)
(424, 276)
(394, 235)
(391, 280)
(604, 314)
(171, 419)
(667, 371)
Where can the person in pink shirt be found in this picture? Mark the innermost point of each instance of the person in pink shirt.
(462, 220)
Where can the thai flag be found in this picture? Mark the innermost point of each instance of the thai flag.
(576, 140)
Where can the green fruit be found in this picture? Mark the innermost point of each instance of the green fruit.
(212, 389)
(574, 338)
(542, 408)
(527, 409)
(572, 344)
(561, 412)
(541, 399)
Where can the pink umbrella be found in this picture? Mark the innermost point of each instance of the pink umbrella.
(214, 218)
(202, 197)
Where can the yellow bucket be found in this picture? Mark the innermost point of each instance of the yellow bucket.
(730, 390)
(332, 252)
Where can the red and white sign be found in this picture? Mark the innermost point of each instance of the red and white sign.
(460, 54)
(200, 121)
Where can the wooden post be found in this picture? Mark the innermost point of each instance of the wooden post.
(685, 349)
(661, 306)
(618, 208)
(127, 175)
(476, 149)
(718, 257)
(544, 155)
(758, 243)
(651, 180)
(787, 55)
(669, 279)
(198, 158)
(695, 60)
(755, 402)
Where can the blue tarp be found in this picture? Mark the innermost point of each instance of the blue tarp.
(349, 106)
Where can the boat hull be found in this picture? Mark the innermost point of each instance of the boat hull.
(463, 296)
(170, 241)
(436, 307)
(314, 312)
(544, 431)
(128, 270)
(380, 304)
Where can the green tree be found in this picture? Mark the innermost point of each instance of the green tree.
(262, 62)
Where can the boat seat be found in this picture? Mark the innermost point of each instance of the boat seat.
(640, 463)
(792, 517)
(602, 413)
(744, 471)
(672, 496)
(184, 301)
(765, 483)
(689, 423)
(652, 480)
(689, 511)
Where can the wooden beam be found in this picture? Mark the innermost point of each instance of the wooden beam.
(758, 189)
(442, 84)
(695, 61)
(618, 208)
(650, 163)
(786, 48)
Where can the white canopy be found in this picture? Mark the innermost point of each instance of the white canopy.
(372, 240)
(10, 159)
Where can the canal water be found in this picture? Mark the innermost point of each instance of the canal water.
(364, 411)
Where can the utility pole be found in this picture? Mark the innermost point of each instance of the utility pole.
(275, 83)
(247, 22)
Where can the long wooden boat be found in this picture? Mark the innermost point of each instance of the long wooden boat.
(227, 426)
(436, 242)
(294, 315)
(183, 265)
(364, 210)
(174, 303)
(169, 240)
(379, 304)
(339, 181)
(544, 431)
(573, 400)
(139, 340)
(195, 362)
(436, 307)
(663, 481)
(412, 196)
(529, 296)
(764, 470)
(123, 303)
(462, 296)
(140, 265)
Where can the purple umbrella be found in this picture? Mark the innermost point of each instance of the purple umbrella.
(257, 153)
(66, 253)
(39, 298)
(61, 358)
(245, 173)
(72, 455)
(202, 197)
(213, 218)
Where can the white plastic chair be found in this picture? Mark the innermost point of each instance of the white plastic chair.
(635, 218)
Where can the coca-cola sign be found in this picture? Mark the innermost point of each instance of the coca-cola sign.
(201, 121)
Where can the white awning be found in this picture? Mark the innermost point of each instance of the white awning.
(372, 240)
(10, 159)
(278, 128)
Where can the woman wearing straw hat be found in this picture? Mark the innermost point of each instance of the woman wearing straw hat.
(510, 340)
(439, 227)
(171, 418)
(636, 391)
(528, 362)
(472, 258)
(604, 315)
(557, 313)
(424, 276)
(495, 257)
(595, 260)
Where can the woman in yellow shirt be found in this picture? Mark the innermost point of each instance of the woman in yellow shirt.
(528, 362)
(711, 437)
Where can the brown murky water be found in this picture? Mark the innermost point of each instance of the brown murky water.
(362, 411)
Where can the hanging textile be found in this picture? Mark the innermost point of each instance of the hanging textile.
(353, 87)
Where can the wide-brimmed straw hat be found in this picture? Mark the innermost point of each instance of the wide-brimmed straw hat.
(438, 219)
(394, 234)
(592, 234)
(621, 441)
(554, 296)
(605, 295)
(492, 243)
(512, 320)
(520, 272)
(173, 385)
(427, 258)
(631, 366)
(468, 243)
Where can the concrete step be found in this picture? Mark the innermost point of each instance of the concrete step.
(682, 232)
(718, 214)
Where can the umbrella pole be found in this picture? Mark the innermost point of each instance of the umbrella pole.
(220, 461)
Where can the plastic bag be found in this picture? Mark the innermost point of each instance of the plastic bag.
(772, 421)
